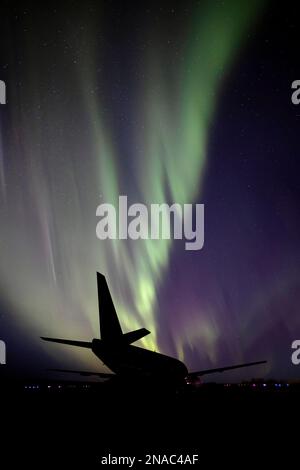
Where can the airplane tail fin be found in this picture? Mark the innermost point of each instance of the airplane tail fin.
(110, 328)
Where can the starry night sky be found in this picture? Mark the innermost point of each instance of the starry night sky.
(165, 102)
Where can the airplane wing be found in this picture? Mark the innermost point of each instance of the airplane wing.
(85, 373)
(222, 369)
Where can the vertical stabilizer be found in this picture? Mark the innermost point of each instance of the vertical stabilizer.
(110, 328)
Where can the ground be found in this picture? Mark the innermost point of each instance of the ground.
(81, 426)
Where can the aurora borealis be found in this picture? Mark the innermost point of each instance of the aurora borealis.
(162, 103)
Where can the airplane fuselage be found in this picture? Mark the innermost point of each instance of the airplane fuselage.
(127, 360)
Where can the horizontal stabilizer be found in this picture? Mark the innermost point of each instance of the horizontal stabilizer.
(133, 336)
(81, 344)
(222, 369)
(85, 373)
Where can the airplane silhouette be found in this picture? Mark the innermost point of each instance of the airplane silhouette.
(115, 350)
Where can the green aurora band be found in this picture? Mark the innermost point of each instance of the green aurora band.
(173, 139)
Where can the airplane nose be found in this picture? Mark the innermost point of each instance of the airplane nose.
(183, 369)
(180, 369)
